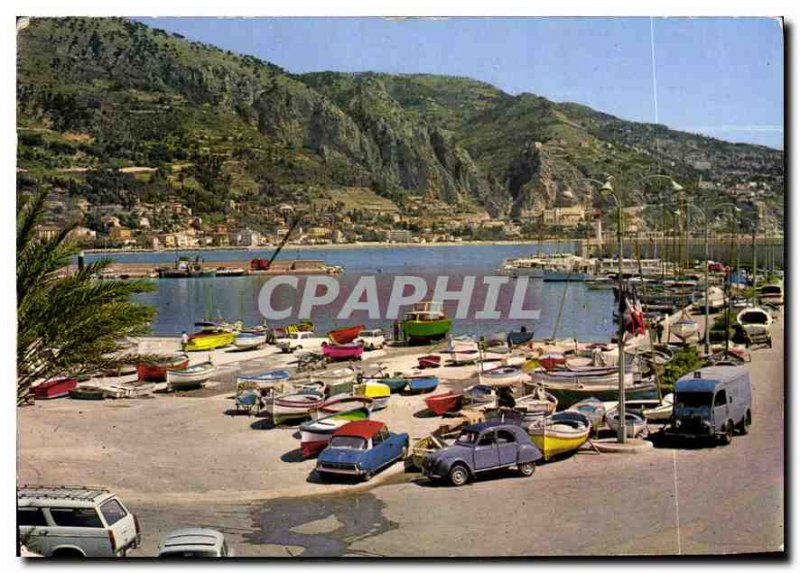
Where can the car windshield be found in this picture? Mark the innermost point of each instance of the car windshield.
(349, 442)
(467, 438)
(693, 399)
(192, 553)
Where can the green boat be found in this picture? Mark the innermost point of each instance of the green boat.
(426, 322)
(569, 394)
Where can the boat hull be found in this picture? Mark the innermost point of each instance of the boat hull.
(421, 385)
(157, 372)
(344, 352)
(569, 394)
(202, 342)
(192, 377)
(294, 407)
(57, 388)
(345, 335)
(425, 330)
(446, 402)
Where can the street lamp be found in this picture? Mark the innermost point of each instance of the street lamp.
(608, 189)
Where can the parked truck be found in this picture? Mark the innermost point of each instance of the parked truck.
(712, 403)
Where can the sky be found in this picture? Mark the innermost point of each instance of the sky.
(722, 77)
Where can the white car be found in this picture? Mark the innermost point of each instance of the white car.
(299, 341)
(194, 542)
(371, 339)
(62, 521)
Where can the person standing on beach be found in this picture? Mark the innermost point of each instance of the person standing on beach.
(184, 340)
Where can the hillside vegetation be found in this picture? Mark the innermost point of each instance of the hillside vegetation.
(217, 129)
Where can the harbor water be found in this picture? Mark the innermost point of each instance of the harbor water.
(585, 314)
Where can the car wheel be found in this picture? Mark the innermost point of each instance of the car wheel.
(527, 469)
(744, 428)
(727, 436)
(458, 475)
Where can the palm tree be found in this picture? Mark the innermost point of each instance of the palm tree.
(68, 323)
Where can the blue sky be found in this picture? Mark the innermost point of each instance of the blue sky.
(718, 76)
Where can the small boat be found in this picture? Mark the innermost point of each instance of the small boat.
(249, 340)
(716, 300)
(345, 335)
(659, 412)
(265, 380)
(593, 409)
(503, 376)
(754, 319)
(56, 388)
(426, 322)
(191, 377)
(380, 393)
(538, 404)
(295, 405)
(156, 371)
(91, 393)
(635, 425)
(552, 360)
(429, 361)
(771, 294)
(421, 384)
(479, 395)
(584, 377)
(395, 384)
(465, 356)
(449, 401)
(569, 393)
(340, 404)
(685, 327)
(349, 351)
(504, 415)
(315, 434)
(229, 272)
(210, 340)
(517, 338)
(338, 381)
(560, 433)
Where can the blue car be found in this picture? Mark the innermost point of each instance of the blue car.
(362, 449)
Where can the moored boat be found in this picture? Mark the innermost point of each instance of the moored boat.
(191, 377)
(345, 335)
(503, 376)
(210, 340)
(156, 371)
(552, 360)
(560, 433)
(429, 361)
(593, 409)
(56, 388)
(295, 405)
(685, 327)
(517, 338)
(341, 404)
(421, 384)
(635, 425)
(568, 393)
(380, 393)
(349, 351)
(249, 340)
(449, 401)
(425, 322)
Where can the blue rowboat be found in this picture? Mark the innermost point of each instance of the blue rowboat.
(421, 385)
(395, 384)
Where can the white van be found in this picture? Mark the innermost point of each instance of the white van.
(68, 521)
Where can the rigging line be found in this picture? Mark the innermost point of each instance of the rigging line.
(655, 86)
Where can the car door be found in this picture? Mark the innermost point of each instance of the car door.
(80, 527)
(506, 447)
(721, 409)
(486, 456)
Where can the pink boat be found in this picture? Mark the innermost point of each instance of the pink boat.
(349, 351)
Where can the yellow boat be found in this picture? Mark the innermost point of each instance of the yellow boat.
(210, 341)
(530, 365)
(560, 433)
(380, 393)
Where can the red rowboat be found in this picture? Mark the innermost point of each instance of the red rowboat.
(55, 388)
(345, 335)
(552, 360)
(430, 361)
(342, 351)
(446, 402)
(157, 371)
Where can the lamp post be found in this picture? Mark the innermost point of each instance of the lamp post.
(608, 189)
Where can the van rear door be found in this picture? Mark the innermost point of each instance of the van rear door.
(120, 521)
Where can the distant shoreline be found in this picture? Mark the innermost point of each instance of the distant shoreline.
(341, 246)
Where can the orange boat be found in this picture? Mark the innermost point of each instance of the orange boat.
(156, 371)
(345, 335)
